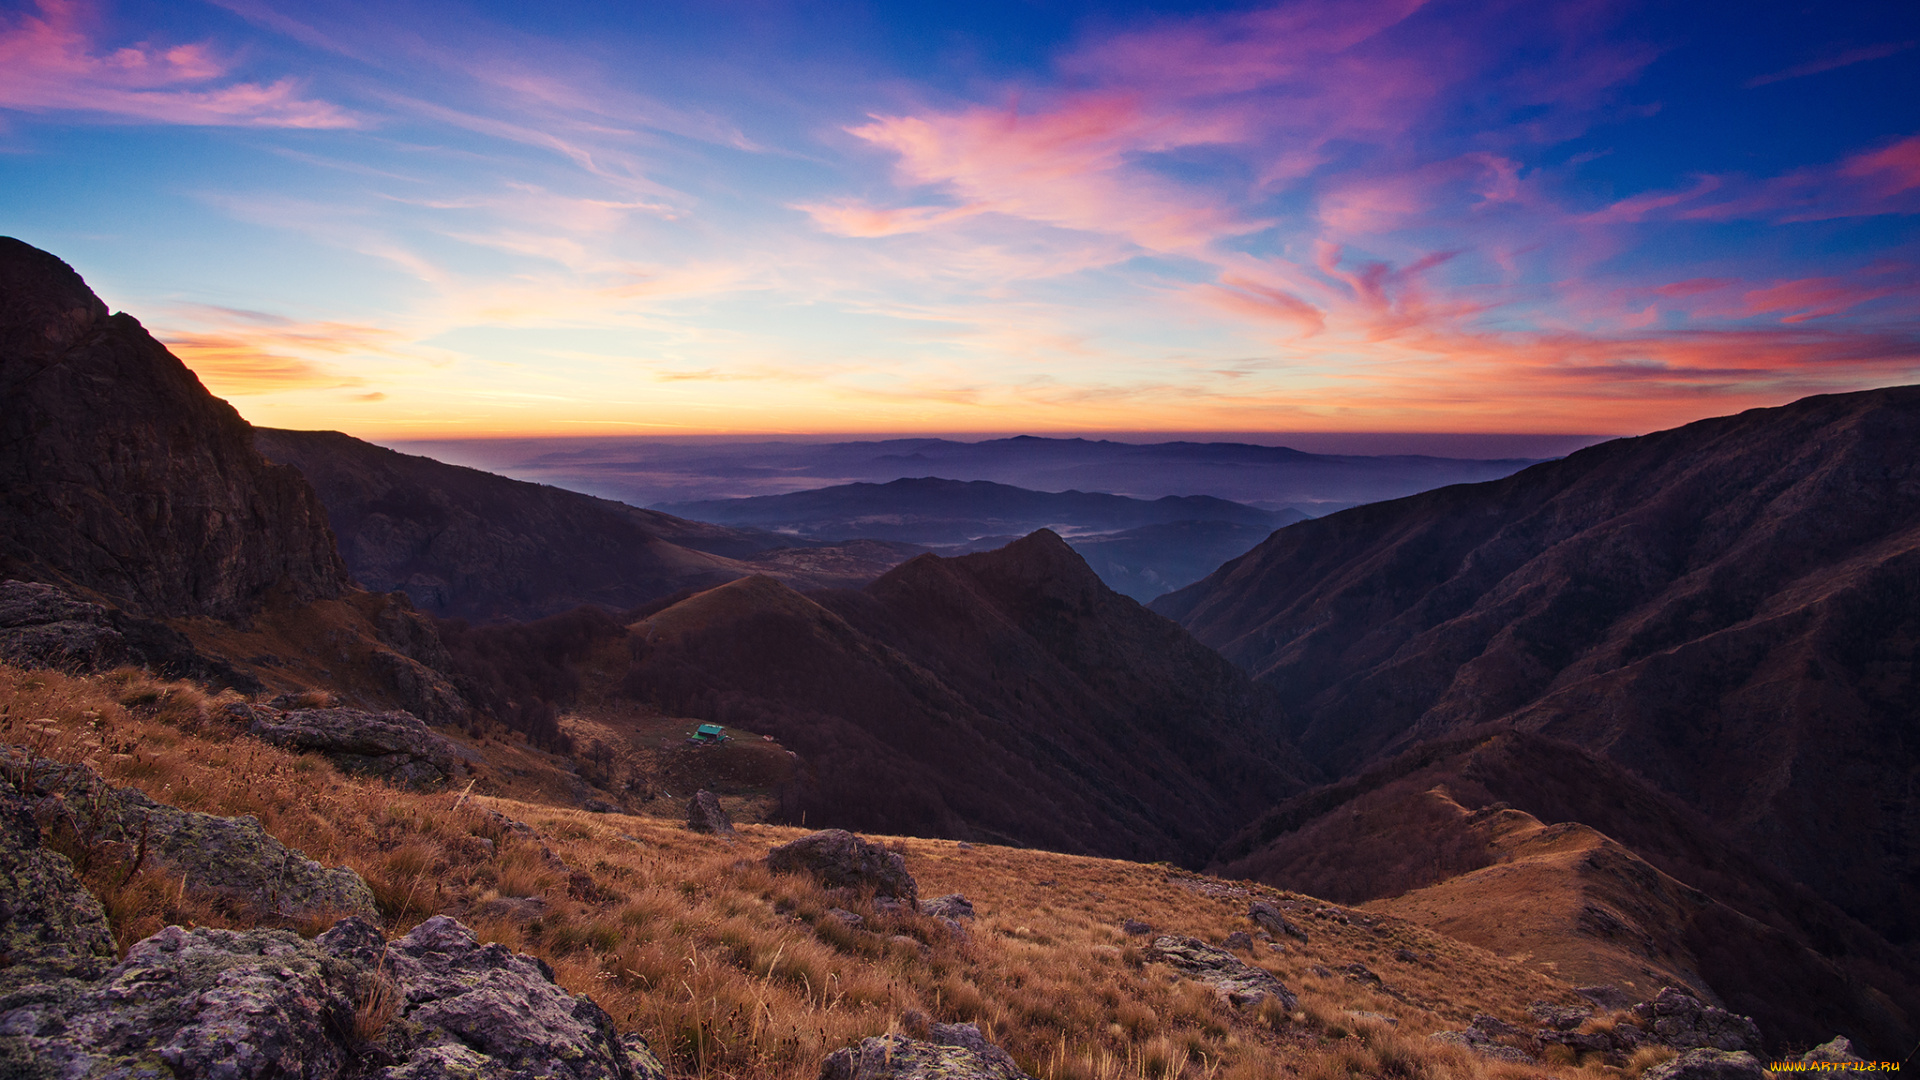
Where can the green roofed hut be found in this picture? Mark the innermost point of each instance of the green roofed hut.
(710, 735)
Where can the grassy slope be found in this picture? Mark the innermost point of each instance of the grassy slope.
(733, 972)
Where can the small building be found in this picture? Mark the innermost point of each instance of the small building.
(710, 735)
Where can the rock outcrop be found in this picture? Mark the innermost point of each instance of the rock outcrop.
(840, 860)
(266, 1003)
(1239, 983)
(952, 1052)
(395, 746)
(42, 626)
(232, 856)
(1684, 1022)
(50, 927)
(1709, 1064)
(122, 475)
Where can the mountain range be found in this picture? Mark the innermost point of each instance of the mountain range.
(652, 472)
(1139, 547)
(1643, 715)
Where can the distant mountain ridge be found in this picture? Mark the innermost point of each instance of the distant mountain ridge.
(1141, 547)
(654, 472)
(931, 509)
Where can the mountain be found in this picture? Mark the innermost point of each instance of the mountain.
(124, 482)
(655, 471)
(1006, 695)
(1729, 609)
(121, 476)
(468, 544)
(931, 511)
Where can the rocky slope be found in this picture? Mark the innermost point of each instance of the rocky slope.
(1728, 609)
(469, 544)
(121, 475)
(1005, 695)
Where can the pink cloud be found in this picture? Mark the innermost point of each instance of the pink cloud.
(53, 63)
(862, 220)
(1812, 298)
(1069, 166)
(1248, 297)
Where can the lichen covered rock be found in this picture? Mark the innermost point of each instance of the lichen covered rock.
(396, 746)
(1238, 982)
(266, 1003)
(954, 1052)
(1684, 1022)
(50, 926)
(840, 860)
(1706, 1063)
(233, 856)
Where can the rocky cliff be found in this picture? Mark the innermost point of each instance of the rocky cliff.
(122, 476)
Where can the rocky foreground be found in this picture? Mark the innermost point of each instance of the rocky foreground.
(437, 1002)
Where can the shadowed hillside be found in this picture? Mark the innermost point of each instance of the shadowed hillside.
(1729, 609)
(1533, 847)
(1007, 694)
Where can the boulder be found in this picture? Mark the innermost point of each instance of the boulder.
(840, 860)
(1559, 1017)
(395, 746)
(1238, 982)
(1706, 1063)
(266, 1003)
(705, 814)
(467, 1008)
(50, 926)
(233, 856)
(1239, 940)
(1483, 1044)
(1682, 1021)
(1838, 1051)
(952, 1052)
(260, 1003)
(1268, 918)
(950, 906)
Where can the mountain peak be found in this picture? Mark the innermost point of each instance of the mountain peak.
(45, 306)
(121, 475)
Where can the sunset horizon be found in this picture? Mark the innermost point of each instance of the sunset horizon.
(462, 220)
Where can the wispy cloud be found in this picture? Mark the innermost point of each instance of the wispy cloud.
(55, 61)
(1833, 62)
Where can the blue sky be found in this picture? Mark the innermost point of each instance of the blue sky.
(434, 220)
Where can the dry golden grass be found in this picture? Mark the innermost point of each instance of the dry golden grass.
(731, 971)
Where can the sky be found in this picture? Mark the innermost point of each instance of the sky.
(439, 220)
